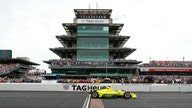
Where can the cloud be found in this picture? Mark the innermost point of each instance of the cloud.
(158, 28)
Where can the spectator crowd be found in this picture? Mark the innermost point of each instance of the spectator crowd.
(7, 67)
(35, 77)
(156, 63)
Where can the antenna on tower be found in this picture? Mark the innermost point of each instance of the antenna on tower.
(89, 6)
(96, 5)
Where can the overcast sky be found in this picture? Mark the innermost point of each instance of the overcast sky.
(159, 29)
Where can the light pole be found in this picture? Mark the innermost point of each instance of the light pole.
(106, 70)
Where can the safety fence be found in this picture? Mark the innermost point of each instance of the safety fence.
(74, 87)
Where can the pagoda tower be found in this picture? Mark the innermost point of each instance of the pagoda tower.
(93, 47)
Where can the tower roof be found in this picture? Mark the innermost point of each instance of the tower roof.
(106, 13)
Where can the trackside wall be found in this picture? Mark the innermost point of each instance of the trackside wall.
(86, 86)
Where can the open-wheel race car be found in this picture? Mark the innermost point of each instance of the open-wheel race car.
(108, 92)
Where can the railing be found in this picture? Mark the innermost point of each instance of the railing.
(88, 64)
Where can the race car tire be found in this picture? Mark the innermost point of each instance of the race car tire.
(94, 94)
(127, 95)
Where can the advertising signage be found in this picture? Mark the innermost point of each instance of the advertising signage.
(170, 70)
(5, 54)
(100, 21)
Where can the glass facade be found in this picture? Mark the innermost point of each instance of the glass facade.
(92, 43)
(92, 55)
(90, 46)
(92, 30)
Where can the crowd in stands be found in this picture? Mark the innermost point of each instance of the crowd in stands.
(35, 77)
(63, 63)
(7, 67)
(29, 77)
(134, 79)
(171, 79)
(19, 80)
(155, 63)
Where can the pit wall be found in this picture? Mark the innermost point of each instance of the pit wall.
(87, 86)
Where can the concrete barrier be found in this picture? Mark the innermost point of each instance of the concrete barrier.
(30, 87)
(86, 86)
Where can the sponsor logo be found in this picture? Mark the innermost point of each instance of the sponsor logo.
(106, 21)
(66, 87)
(86, 87)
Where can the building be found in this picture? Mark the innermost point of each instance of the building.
(92, 48)
(167, 67)
(14, 67)
(167, 71)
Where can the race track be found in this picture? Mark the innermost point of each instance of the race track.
(152, 100)
(27, 99)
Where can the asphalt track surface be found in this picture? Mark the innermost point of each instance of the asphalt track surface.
(152, 100)
(76, 100)
(41, 99)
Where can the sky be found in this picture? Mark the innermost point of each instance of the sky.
(158, 29)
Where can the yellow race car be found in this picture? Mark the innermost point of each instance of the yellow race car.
(108, 92)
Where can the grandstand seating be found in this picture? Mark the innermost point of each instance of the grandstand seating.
(7, 68)
(156, 63)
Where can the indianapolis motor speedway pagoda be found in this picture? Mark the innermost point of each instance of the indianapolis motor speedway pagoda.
(92, 48)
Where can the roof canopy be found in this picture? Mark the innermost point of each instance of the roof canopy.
(67, 52)
(5, 61)
(119, 41)
(71, 28)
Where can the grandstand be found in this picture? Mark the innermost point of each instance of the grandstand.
(168, 71)
(14, 67)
